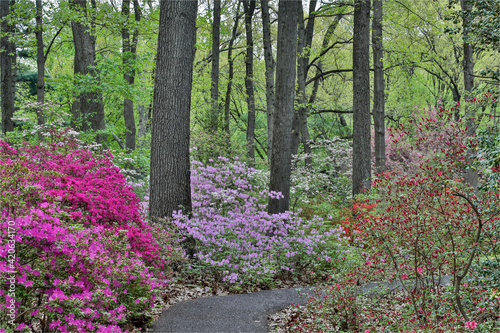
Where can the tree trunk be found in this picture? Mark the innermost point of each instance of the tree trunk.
(214, 89)
(230, 61)
(285, 88)
(170, 165)
(304, 45)
(471, 176)
(361, 98)
(8, 68)
(269, 61)
(378, 86)
(249, 6)
(40, 64)
(89, 106)
(128, 104)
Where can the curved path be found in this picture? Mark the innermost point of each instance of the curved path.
(232, 313)
(246, 312)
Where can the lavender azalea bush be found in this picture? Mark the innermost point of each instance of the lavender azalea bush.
(239, 240)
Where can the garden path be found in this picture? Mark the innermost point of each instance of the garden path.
(231, 313)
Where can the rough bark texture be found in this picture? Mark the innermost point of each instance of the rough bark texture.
(378, 86)
(249, 6)
(8, 69)
(285, 88)
(40, 64)
(214, 88)
(230, 61)
(170, 166)
(269, 61)
(361, 97)
(88, 107)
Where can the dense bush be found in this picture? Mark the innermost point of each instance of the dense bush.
(239, 241)
(422, 224)
(74, 241)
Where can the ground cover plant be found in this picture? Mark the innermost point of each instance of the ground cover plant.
(76, 252)
(418, 227)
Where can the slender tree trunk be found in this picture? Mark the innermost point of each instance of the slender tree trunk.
(285, 87)
(304, 45)
(230, 60)
(269, 61)
(170, 165)
(249, 6)
(89, 105)
(378, 84)
(129, 76)
(361, 98)
(214, 89)
(8, 68)
(471, 176)
(40, 63)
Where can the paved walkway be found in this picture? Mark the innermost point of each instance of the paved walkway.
(232, 313)
(245, 312)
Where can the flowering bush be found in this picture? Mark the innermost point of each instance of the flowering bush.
(238, 240)
(329, 174)
(74, 241)
(427, 224)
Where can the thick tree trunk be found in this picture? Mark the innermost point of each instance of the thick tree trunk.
(88, 107)
(230, 60)
(269, 61)
(361, 98)
(170, 165)
(8, 68)
(378, 86)
(249, 6)
(40, 64)
(285, 88)
(214, 89)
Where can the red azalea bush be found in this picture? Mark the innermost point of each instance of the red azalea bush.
(427, 225)
(76, 255)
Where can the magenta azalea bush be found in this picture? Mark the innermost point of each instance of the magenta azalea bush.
(240, 241)
(76, 255)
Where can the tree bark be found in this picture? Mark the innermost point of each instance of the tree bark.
(230, 61)
(471, 176)
(89, 107)
(378, 86)
(305, 34)
(285, 90)
(249, 6)
(40, 63)
(170, 165)
(269, 61)
(361, 98)
(214, 89)
(8, 68)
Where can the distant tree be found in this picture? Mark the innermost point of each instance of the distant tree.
(40, 63)
(378, 86)
(269, 62)
(128, 57)
(88, 106)
(8, 67)
(214, 88)
(361, 97)
(170, 166)
(285, 90)
(249, 7)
